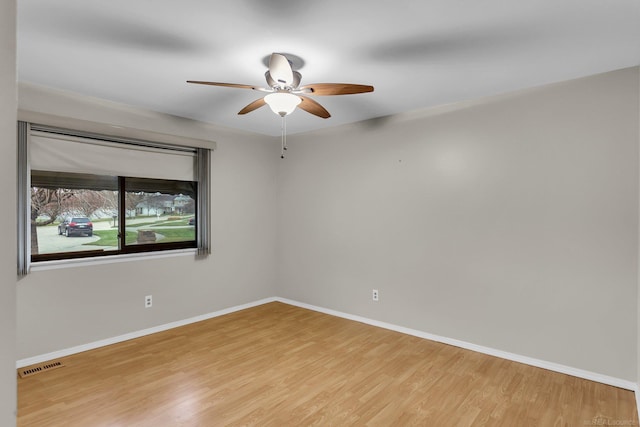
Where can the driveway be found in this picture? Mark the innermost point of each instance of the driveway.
(49, 241)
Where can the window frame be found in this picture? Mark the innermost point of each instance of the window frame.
(202, 164)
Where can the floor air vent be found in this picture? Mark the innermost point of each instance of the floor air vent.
(36, 369)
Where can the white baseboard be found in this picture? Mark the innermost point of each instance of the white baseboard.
(137, 334)
(580, 373)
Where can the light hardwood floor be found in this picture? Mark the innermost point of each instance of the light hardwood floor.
(279, 365)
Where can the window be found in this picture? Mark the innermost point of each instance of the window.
(93, 195)
(79, 215)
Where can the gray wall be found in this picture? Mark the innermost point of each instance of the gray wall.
(62, 308)
(8, 103)
(510, 223)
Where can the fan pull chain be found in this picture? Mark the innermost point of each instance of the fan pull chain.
(283, 129)
(282, 138)
(284, 119)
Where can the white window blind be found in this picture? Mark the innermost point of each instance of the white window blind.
(65, 153)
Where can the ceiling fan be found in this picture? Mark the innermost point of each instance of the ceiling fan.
(285, 92)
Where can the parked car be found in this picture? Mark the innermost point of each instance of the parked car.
(76, 225)
(192, 221)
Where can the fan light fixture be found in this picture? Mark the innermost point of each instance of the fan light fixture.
(282, 103)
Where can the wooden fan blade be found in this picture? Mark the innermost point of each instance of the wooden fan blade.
(280, 69)
(224, 84)
(322, 89)
(253, 106)
(311, 106)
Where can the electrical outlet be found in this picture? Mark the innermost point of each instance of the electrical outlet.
(375, 295)
(148, 301)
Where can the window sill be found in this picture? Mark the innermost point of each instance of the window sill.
(81, 262)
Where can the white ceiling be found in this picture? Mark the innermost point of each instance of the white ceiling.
(416, 53)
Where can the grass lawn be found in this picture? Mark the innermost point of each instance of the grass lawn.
(163, 223)
(177, 234)
(110, 237)
(180, 223)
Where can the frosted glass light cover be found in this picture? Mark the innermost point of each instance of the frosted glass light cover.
(282, 103)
